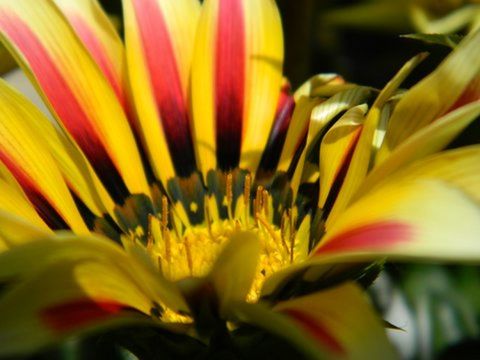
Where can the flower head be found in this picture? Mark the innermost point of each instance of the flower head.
(186, 187)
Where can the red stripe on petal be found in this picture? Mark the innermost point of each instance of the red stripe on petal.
(64, 102)
(43, 207)
(316, 330)
(75, 314)
(98, 52)
(278, 134)
(471, 94)
(166, 85)
(380, 235)
(342, 172)
(229, 82)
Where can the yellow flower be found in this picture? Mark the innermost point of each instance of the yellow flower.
(186, 188)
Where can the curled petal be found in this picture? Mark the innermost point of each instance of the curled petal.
(334, 324)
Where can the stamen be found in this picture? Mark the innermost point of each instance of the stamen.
(278, 241)
(166, 233)
(188, 252)
(265, 196)
(292, 234)
(229, 194)
(164, 211)
(283, 225)
(182, 250)
(246, 197)
(208, 219)
(257, 203)
(149, 236)
(168, 250)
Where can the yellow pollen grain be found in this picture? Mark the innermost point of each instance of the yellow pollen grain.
(192, 251)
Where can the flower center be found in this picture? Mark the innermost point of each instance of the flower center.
(181, 252)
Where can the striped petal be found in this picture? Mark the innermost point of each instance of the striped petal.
(338, 323)
(426, 141)
(429, 210)
(14, 201)
(278, 134)
(160, 40)
(68, 248)
(27, 157)
(321, 116)
(297, 132)
(236, 81)
(362, 156)
(436, 94)
(315, 91)
(337, 148)
(76, 170)
(65, 298)
(76, 90)
(101, 39)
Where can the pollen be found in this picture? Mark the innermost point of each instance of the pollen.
(191, 251)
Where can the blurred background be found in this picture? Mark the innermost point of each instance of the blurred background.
(436, 308)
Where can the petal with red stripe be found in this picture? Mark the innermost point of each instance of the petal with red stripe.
(25, 153)
(427, 211)
(76, 90)
(76, 170)
(160, 40)
(453, 83)
(236, 81)
(337, 148)
(362, 157)
(278, 133)
(14, 202)
(337, 323)
(101, 39)
(425, 142)
(67, 298)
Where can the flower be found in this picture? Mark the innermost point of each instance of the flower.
(185, 187)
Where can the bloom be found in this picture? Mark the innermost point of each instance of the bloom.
(187, 148)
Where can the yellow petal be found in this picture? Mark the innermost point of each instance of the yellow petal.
(160, 40)
(68, 248)
(337, 147)
(76, 91)
(63, 299)
(26, 155)
(233, 272)
(430, 210)
(426, 141)
(297, 131)
(13, 200)
(73, 165)
(16, 230)
(101, 39)
(435, 95)
(321, 116)
(314, 86)
(236, 81)
(362, 156)
(338, 323)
